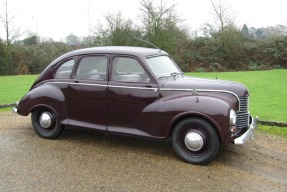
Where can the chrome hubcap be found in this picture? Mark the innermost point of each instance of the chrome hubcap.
(193, 141)
(45, 120)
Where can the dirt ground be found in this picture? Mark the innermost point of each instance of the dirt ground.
(84, 160)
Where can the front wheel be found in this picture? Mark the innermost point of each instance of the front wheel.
(46, 124)
(195, 141)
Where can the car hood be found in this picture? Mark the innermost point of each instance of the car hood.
(206, 84)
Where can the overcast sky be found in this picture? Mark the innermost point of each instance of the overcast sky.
(59, 18)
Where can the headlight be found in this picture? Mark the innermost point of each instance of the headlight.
(232, 117)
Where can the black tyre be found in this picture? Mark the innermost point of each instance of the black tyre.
(195, 141)
(46, 124)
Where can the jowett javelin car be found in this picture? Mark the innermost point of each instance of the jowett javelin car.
(140, 92)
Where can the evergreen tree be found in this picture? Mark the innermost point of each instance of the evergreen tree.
(245, 31)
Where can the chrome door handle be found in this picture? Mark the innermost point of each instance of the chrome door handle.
(75, 83)
(149, 88)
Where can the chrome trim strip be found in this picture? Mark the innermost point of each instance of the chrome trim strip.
(127, 87)
(89, 84)
(102, 85)
(203, 90)
(74, 83)
(220, 80)
(154, 89)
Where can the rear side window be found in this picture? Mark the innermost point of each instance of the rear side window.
(65, 70)
(92, 68)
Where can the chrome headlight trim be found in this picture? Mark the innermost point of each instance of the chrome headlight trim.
(232, 117)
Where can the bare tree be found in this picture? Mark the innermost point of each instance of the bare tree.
(223, 17)
(155, 18)
(116, 31)
(11, 32)
(222, 13)
(161, 25)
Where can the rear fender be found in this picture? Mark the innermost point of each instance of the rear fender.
(46, 95)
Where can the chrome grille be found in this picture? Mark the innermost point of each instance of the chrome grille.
(243, 114)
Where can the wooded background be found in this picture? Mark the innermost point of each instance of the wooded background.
(217, 46)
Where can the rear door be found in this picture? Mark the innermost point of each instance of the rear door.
(87, 95)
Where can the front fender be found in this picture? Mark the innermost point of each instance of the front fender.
(45, 95)
(213, 109)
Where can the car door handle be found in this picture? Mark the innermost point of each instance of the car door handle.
(150, 88)
(75, 83)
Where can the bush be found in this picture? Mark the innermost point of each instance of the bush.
(240, 53)
(196, 54)
(30, 59)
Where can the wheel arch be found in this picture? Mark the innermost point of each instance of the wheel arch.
(45, 96)
(63, 117)
(202, 116)
(43, 106)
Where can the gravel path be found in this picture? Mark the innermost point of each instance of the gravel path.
(84, 160)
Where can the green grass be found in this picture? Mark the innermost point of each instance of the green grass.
(13, 88)
(6, 109)
(273, 130)
(268, 91)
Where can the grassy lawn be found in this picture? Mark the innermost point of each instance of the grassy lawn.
(282, 131)
(12, 88)
(268, 91)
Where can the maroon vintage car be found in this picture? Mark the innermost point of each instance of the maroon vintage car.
(139, 92)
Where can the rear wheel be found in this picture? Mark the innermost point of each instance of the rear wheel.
(46, 124)
(195, 141)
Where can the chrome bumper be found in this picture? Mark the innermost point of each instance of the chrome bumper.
(248, 134)
(15, 109)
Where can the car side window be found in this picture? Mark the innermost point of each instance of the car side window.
(127, 69)
(92, 68)
(65, 70)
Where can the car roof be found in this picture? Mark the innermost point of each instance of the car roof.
(122, 50)
(140, 52)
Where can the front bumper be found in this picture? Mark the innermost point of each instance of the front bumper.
(248, 134)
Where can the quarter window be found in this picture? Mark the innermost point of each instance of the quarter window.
(127, 69)
(93, 68)
(65, 70)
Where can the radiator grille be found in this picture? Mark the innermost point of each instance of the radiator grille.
(243, 114)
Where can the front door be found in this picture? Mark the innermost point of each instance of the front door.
(132, 98)
(87, 95)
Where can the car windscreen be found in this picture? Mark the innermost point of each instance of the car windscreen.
(162, 66)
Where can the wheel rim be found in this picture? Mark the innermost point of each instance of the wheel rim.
(46, 120)
(194, 141)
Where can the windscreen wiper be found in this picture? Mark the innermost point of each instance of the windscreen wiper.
(175, 74)
(164, 77)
